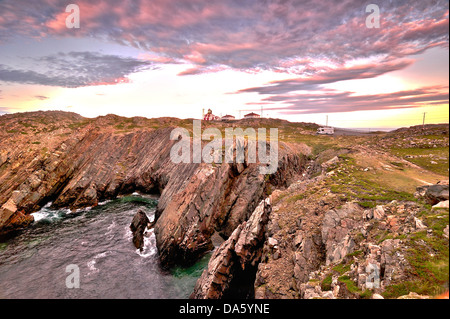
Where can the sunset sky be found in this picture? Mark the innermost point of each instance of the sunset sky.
(299, 60)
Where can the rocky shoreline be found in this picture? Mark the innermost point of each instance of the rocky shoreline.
(292, 234)
(196, 200)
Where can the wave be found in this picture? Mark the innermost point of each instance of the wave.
(47, 214)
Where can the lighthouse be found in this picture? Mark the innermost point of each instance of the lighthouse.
(210, 116)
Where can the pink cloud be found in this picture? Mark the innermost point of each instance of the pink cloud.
(283, 36)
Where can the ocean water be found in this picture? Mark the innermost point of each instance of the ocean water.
(89, 254)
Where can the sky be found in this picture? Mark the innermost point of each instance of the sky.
(303, 61)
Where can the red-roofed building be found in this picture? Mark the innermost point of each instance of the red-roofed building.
(252, 116)
(228, 118)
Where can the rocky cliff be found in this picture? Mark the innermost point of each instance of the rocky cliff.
(360, 223)
(83, 161)
(347, 217)
(215, 199)
(84, 169)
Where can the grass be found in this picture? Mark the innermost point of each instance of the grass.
(295, 198)
(26, 124)
(353, 288)
(368, 204)
(79, 124)
(342, 268)
(355, 253)
(425, 156)
(437, 221)
(326, 283)
(367, 192)
(352, 183)
(382, 236)
(428, 257)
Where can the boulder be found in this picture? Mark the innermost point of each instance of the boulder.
(138, 226)
(443, 204)
(433, 194)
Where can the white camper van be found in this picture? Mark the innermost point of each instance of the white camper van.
(325, 130)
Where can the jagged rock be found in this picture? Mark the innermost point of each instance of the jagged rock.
(213, 199)
(298, 240)
(306, 259)
(368, 272)
(368, 214)
(138, 225)
(249, 244)
(328, 295)
(311, 290)
(83, 166)
(88, 166)
(393, 262)
(3, 157)
(230, 261)
(335, 231)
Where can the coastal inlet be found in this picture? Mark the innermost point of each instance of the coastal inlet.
(99, 241)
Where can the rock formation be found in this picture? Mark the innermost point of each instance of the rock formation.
(77, 168)
(234, 262)
(138, 225)
(320, 237)
(433, 193)
(214, 199)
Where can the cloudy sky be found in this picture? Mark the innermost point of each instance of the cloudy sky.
(296, 60)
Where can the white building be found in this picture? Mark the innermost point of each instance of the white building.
(228, 118)
(252, 116)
